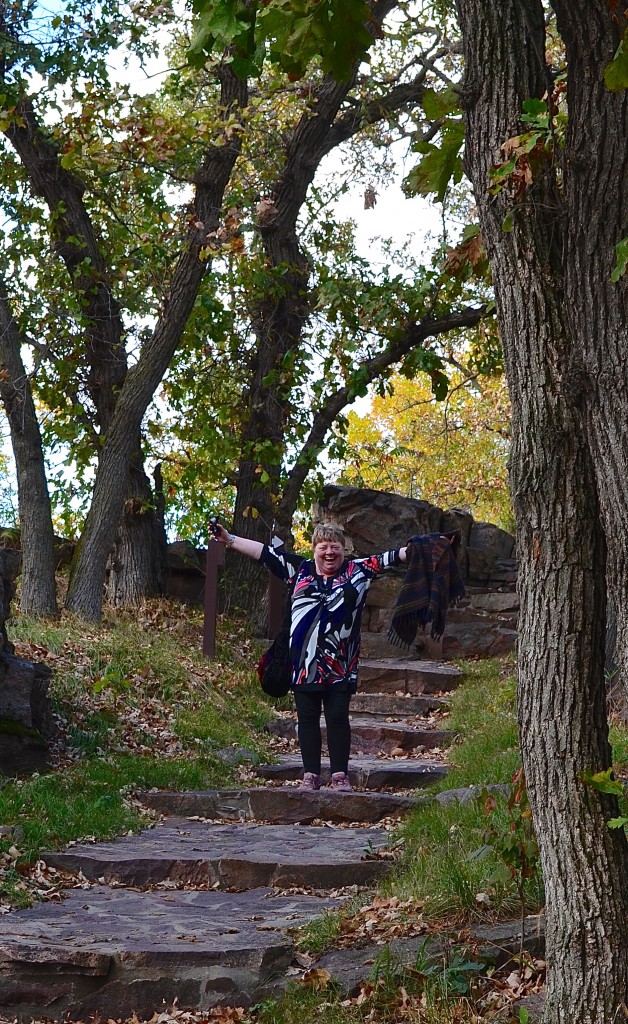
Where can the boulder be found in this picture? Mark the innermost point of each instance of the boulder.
(464, 640)
(26, 719)
(497, 602)
(10, 561)
(478, 565)
(186, 572)
(378, 520)
(497, 543)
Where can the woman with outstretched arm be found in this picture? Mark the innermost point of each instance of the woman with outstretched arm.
(329, 593)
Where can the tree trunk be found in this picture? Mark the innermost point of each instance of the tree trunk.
(561, 547)
(137, 567)
(597, 200)
(36, 533)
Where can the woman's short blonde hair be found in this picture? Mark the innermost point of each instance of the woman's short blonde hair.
(327, 531)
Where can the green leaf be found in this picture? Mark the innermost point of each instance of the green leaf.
(534, 110)
(440, 165)
(617, 822)
(602, 782)
(299, 37)
(439, 104)
(616, 73)
(221, 24)
(440, 385)
(621, 260)
(509, 221)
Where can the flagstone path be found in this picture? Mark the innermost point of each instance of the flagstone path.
(202, 907)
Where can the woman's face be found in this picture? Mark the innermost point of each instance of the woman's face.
(328, 557)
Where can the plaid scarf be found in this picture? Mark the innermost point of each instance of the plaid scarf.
(432, 583)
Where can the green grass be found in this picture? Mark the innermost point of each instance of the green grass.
(619, 743)
(139, 707)
(449, 866)
(483, 715)
(89, 799)
(447, 861)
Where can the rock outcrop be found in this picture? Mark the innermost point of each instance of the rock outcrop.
(26, 719)
(484, 624)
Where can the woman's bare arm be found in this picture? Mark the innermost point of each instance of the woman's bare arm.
(250, 548)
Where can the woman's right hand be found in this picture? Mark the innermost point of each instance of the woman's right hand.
(219, 533)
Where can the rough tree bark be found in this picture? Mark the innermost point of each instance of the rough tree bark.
(555, 482)
(38, 595)
(137, 564)
(597, 201)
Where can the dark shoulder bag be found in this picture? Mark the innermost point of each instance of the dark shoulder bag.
(274, 668)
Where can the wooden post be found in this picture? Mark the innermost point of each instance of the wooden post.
(215, 558)
(276, 598)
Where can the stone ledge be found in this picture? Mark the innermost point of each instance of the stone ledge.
(281, 805)
(242, 856)
(109, 952)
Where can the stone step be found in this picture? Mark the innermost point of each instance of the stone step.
(496, 602)
(389, 675)
(385, 737)
(390, 705)
(281, 805)
(231, 856)
(369, 737)
(365, 772)
(107, 953)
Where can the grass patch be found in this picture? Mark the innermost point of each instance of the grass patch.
(449, 866)
(483, 715)
(619, 743)
(138, 707)
(394, 994)
(448, 862)
(90, 799)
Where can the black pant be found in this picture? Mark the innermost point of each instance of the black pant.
(335, 704)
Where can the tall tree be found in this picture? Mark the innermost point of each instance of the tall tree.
(563, 327)
(99, 392)
(38, 591)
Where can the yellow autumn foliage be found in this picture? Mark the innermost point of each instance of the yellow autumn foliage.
(452, 453)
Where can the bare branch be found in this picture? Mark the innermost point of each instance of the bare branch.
(414, 336)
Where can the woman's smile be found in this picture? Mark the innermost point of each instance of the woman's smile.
(328, 557)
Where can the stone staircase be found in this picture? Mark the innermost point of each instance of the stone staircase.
(202, 906)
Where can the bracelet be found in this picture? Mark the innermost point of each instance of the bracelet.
(230, 540)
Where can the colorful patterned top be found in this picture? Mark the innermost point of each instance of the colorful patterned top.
(326, 616)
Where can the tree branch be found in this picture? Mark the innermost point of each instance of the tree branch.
(75, 242)
(414, 335)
